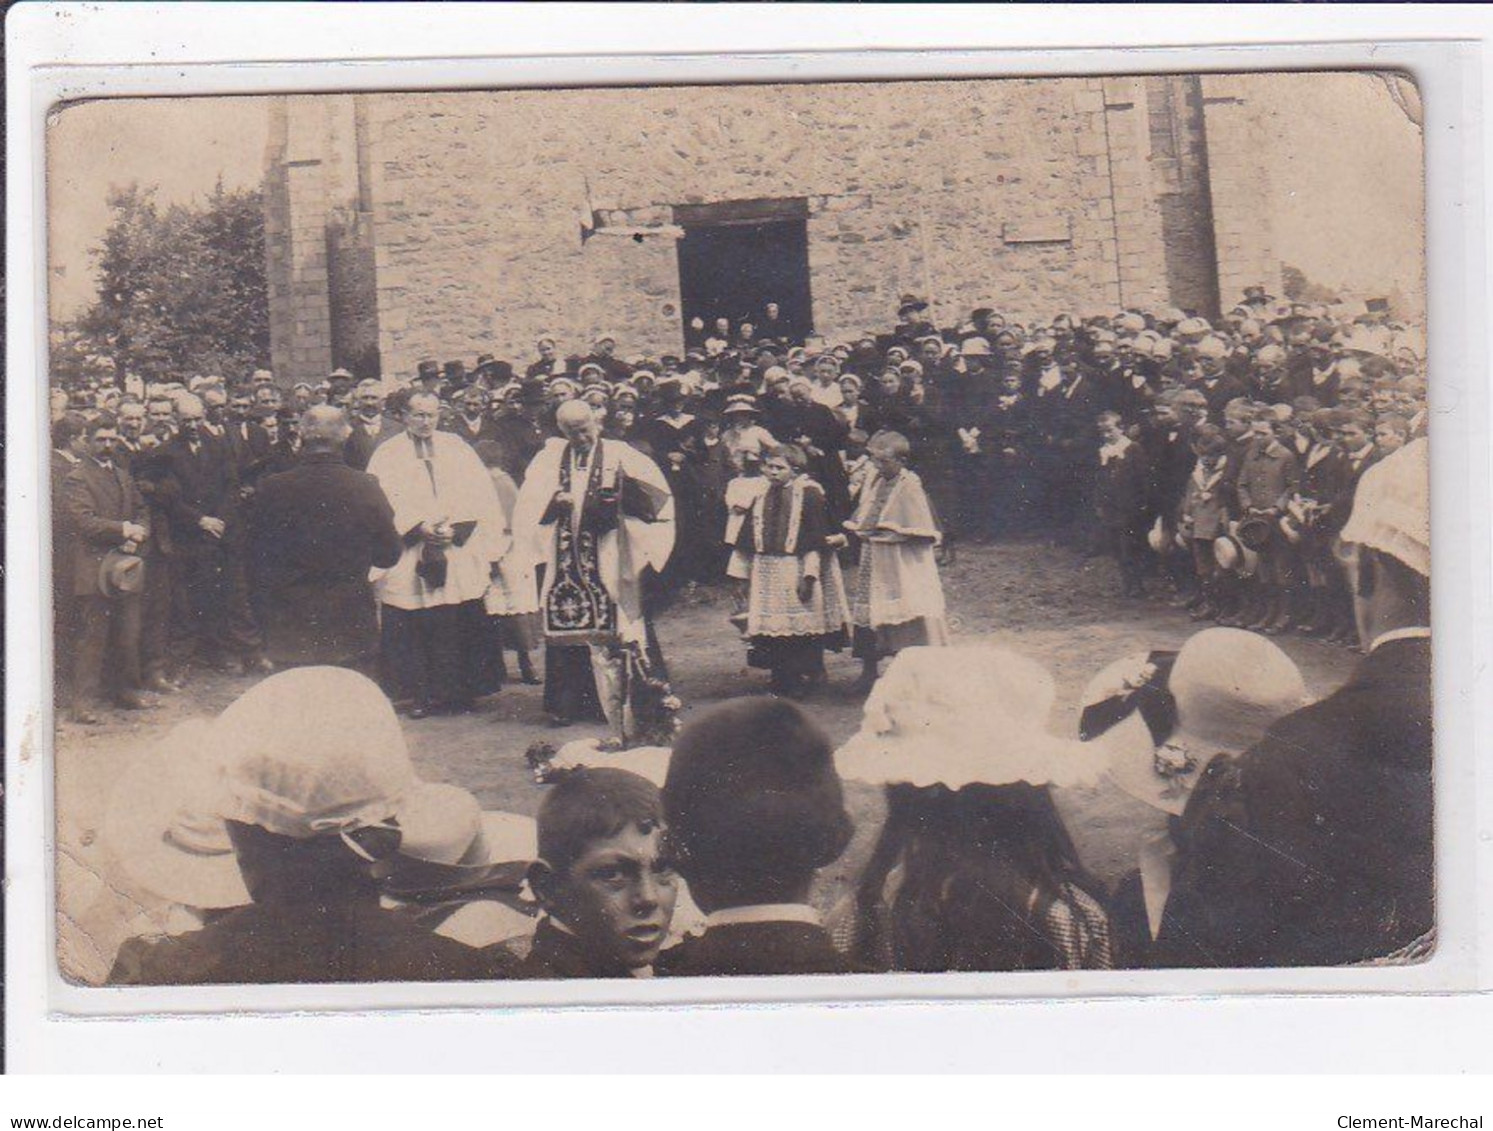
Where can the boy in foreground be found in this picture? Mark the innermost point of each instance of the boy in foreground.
(604, 878)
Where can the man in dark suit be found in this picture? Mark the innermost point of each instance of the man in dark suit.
(314, 532)
(139, 452)
(202, 502)
(105, 512)
(469, 419)
(371, 426)
(753, 802)
(69, 445)
(247, 440)
(1315, 847)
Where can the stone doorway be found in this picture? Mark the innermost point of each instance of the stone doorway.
(737, 256)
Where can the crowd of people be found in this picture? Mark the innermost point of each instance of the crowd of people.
(1214, 463)
(1285, 833)
(417, 532)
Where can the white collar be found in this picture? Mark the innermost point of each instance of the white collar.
(764, 913)
(1412, 633)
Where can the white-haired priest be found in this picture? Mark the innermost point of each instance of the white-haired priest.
(454, 528)
(597, 516)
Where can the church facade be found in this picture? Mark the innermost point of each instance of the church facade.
(408, 226)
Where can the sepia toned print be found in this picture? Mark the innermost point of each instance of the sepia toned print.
(969, 526)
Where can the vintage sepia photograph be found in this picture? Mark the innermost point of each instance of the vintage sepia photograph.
(925, 527)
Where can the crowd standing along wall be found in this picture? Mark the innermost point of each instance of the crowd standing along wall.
(447, 225)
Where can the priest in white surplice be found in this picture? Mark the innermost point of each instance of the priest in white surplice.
(454, 530)
(597, 516)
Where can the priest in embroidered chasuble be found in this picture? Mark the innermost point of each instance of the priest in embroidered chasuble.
(596, 516)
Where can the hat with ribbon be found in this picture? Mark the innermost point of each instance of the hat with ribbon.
(1161, 717)
(448, 843)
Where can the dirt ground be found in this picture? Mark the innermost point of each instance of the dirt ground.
(1042, 601)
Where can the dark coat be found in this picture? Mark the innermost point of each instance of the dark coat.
(314, 533)
(755, 948)
(1218, 394)
(197, 485)
(559, 954)
(1315, 847)
(1267, 477)
(457, 425)
(62, 527)
(1120, 490)
(259, 945)
(98, 501)
(363, 439)
(249, 443)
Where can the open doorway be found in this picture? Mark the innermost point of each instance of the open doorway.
(737, 257)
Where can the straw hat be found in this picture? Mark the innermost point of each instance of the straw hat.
(651, 762)
(448, 843)
(963, 715)
(1233, 555)
(120, 574)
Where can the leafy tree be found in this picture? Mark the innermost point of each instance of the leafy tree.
(1299, 288)
(181, 290)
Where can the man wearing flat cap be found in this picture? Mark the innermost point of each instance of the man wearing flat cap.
(1314, 848)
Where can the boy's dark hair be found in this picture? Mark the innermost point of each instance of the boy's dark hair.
(752, 798)
(591, 804)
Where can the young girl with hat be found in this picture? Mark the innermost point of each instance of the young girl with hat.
(973, 869)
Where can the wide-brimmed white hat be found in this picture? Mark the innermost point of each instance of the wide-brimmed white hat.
(963, 715)
(1227, 686)
(163, 823)
(448, 842)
